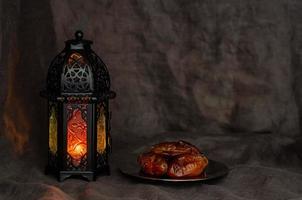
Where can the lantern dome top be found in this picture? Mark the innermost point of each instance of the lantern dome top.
(78, 72)
(78, 42)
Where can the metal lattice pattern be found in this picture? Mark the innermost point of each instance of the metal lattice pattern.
(71, 107)
(101, 74)
(77, 76)
(52, 160)
(70, 74)
(54, 74)
(101, 160)
(72, 164)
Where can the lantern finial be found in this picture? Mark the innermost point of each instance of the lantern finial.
(79, 35)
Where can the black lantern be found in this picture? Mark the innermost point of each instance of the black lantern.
(78, 93)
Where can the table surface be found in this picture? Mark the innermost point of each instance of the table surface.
(261, 167)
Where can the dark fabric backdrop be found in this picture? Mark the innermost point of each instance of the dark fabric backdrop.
(223, 74)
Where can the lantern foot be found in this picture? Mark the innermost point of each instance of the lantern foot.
(80, 174)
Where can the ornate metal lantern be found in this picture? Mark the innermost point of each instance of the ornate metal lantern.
(78, 93)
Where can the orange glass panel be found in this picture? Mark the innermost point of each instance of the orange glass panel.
(101, 131)
(76, 136)
(52, 141)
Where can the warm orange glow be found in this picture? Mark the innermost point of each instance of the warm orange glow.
(77, 136)
(75, 57)
(15, 120)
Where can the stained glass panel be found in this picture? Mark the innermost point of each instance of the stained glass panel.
(53, 124)
(101, 130)
(77, 132)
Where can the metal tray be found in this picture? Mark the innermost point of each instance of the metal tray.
(213, 171)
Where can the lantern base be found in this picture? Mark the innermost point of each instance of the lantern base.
(88, 175)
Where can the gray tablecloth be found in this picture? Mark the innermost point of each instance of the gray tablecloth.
(261, 167)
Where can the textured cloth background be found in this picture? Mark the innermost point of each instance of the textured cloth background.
(225, 75)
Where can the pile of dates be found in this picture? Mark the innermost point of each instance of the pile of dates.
(173, 159)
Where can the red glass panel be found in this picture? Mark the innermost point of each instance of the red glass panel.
(77, 134)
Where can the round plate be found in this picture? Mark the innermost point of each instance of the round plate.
(214, 170)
